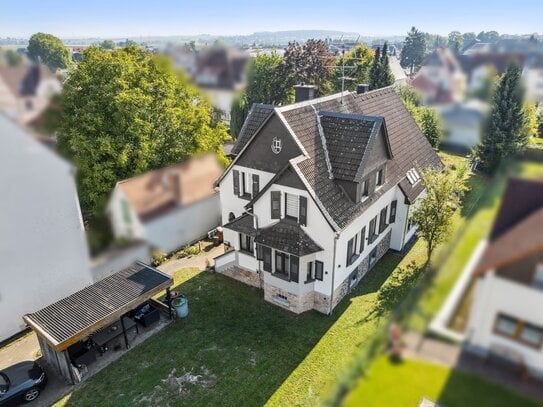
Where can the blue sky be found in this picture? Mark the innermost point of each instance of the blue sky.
(120, 18)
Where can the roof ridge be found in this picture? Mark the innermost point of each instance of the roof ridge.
(323, 141)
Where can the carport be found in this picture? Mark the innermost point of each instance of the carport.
(102, 310)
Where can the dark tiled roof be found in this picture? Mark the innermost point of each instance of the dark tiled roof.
(257, 116)
(83, 311)
(288, 237)
(243, 224)
(347, 137)
(409, 148)
(521, 198)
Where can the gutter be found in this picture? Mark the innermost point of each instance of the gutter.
(336, 237)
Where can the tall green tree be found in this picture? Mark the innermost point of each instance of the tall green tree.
(468, 38)
(380, 73)
(49, 50)
(358, 62)
(413, 50)
(128, 111)
(488, 36)
(427, 119)
(108, 44)
(312, 63)
(433, 214)
(504, 136)
(265, 84)
(455, 41)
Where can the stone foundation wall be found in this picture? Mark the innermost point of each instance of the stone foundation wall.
(248, 277)
(284, 299)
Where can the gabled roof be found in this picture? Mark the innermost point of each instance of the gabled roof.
(287, 236)
(516, 233)
(257, 116)
(23, 80)
(408, 146)
(157, 192)
(348, 141)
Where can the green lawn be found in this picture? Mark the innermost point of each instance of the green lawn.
(246, 351)
(406, 383)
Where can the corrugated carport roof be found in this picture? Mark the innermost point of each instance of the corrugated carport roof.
(70, 319)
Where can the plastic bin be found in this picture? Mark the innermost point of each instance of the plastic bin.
(181, 305)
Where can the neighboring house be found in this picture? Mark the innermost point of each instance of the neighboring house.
(480, 66)
(533, 77)
(463, 123)
(169, 207)
(505, 318)
(44, 251)
(440, 79)
(318, 192)
(477, 47)
(25, 91)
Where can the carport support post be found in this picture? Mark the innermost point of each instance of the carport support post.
(169, 297)
(124, 333)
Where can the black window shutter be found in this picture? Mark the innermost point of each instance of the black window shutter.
(235, 174)
(383, 219)
(267, 258)
(362, 239)
(294, 268)
(275, 204)
(303, 211)
(393, 211)
(256, 184)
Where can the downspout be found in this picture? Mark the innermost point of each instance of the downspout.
(336, 237)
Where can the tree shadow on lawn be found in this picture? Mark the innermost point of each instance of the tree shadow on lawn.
(233, 349)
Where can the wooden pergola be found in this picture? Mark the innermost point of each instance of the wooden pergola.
(71, 319)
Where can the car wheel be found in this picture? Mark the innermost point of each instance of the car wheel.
(31, 394)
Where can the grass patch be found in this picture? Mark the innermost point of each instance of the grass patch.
(242, 350)
(405, 383)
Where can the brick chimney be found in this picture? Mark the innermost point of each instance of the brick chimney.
(304, 92)
(362, 88)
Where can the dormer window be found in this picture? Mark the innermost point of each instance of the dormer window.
(413, 176)
(380, 178)
(365, 189)
(538, 277)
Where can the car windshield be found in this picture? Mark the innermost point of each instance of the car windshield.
(4, 383)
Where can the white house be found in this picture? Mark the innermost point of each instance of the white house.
(43, 247)
(532, 74)
(25, 91)
(318, 192)
(505, 319)
(463, 123)
(169, 207)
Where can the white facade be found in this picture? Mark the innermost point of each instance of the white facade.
(334, 245)
(495, 295)
(169, 231)
(533, 81)
(43, 246)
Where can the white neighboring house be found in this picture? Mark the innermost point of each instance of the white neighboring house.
(532, 74)
(43, 246)
(318, 192)
(506, 318)
(169, 207)
(25, 91)
(463, 123)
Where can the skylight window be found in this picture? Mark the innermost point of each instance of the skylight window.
(413, 176)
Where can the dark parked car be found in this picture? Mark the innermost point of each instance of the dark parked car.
(23, 381)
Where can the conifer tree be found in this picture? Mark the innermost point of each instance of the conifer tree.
(503, 135)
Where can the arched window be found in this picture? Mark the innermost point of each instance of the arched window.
(231, 216)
